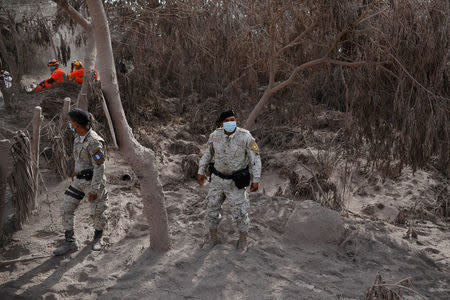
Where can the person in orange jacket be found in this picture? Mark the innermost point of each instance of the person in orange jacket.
(57, 76)
(76, 72)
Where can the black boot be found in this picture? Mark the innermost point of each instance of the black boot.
(97, 242)
(70, 244)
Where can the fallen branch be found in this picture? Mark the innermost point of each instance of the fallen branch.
(22, 259)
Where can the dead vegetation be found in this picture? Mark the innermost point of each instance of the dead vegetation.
(21, 181)
(229, 55)
(380, 290)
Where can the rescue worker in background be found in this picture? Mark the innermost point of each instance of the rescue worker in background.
(76, 72)
(89, 179)
(57, 76)
(233, 159)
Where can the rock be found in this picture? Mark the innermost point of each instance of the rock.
(368, 209)
(310, 223)
(189, 165)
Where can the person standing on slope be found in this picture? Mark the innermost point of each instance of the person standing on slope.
(89, 178)
(233, 159)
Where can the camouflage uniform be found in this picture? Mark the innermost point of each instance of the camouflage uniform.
(230, 154)
(89, 153)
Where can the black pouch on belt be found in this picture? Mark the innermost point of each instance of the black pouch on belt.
(241, 178)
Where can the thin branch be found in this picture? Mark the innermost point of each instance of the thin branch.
(371, 16)
(402, 287)
(345, 63)
(312, 63)
(74, 14)
(291, 78)
(335, 42)
(296, 41)
(413, 79)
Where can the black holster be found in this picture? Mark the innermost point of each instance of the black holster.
(85, 174)
(74, 193)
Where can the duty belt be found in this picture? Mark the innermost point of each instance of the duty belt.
(213, 170)
(85, 174)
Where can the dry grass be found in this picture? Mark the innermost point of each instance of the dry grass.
(380, 290)
(21, 180)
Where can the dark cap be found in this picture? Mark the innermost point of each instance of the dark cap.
(226, 114)
(79, 116)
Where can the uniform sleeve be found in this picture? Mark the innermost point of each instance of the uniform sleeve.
(206, 158)
(97, 153)
(254, 160)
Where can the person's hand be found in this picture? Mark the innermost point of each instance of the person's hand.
(73, 175)
(201, 179)
(253, 187)
(92, 197)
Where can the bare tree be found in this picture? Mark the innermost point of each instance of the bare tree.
(141, 159)
(274, 23)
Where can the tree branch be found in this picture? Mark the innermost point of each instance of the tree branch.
(74, 14)
(296, 41)
(291, 78)
(314, 63)
(415, 80)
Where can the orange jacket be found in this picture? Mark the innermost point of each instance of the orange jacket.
(57, 76)
(77, 75)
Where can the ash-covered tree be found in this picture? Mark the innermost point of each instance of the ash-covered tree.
(140, 158)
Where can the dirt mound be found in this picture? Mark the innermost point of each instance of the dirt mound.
(52, 99)
(312, 223)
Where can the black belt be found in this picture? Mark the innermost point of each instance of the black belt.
(74, 193)
(85, 174)
(213, 170)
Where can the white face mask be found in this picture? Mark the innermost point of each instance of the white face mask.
(229, 126)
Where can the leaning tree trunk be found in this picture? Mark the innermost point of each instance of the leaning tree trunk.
(140, 158)
(89, 63)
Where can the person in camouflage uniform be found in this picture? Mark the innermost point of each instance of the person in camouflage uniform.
(89, 178)
(230, 149)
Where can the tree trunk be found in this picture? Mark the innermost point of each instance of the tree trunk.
(140, 158)
(89, 63)
(251, 120)
(5, 168)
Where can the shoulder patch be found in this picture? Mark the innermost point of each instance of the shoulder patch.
(254, 147)
(99, 157)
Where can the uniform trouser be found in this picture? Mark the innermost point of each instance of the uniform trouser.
(98, 206)
(221, 189)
